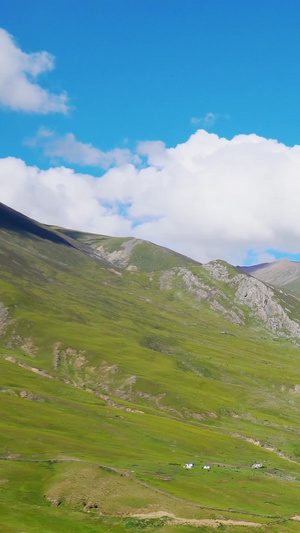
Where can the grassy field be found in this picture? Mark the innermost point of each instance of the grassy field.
(110, 383)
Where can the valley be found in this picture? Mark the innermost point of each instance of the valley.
(120, 362)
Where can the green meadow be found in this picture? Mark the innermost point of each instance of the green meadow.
(110, 382)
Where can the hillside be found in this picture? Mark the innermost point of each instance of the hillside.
(132, 254)
(118, 368)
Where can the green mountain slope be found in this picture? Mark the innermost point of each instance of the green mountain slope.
(130, 253)
(113, 378)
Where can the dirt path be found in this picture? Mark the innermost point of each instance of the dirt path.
(197, 522)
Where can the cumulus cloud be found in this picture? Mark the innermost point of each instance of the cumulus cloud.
(58, 196)
(208, 198)
(70, 150)
(18, 73)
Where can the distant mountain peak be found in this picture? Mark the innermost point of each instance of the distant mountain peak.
(281, 273)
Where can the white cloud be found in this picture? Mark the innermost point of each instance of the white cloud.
(58, 196)
(208, 120)
(18, 72)
(70, 150)
(208, 197)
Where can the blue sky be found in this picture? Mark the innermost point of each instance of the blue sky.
(145, 70)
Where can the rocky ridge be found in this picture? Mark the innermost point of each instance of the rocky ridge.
(213, 296)
(244, 292)
(259, 298)
(119, 258)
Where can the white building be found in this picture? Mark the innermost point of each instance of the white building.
(188, 466)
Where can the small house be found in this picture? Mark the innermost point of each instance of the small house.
(188, 466)
(206, 467)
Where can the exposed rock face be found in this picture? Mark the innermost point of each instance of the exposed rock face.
(28, 395)
(259, 298)
(218, 270)
(28, 367)
(69, 356)
(119, 258)
(125, 389)
(166, 280)
(244, 291)
(215, 298)
(3, 318)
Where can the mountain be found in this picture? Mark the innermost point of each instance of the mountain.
(284, 274)
(132, 254)
(11, 220)
(120, 362)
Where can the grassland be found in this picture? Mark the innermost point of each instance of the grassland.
(109, 384)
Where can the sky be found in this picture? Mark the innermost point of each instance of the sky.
(172, 121)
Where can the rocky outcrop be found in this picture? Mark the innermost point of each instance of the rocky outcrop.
(261, 300)
(166, 280)
(119, 258)
(240, 291)
(218, 270)
(258, 297)
(215, 298)
(3, 318)
(28, 395)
